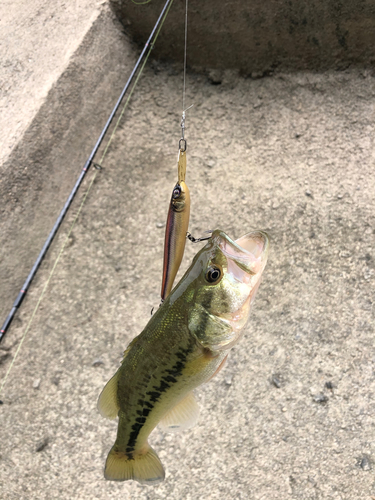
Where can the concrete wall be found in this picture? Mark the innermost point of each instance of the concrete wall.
(37, 41)
(43, 167)
(258, 36)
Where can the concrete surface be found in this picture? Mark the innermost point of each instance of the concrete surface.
(37, 40)
(291, 416)
(259, 36)
(44, 166)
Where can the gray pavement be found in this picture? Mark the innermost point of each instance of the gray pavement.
(291, 416)
(37, 41)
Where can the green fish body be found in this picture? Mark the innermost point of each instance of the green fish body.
(185, 343)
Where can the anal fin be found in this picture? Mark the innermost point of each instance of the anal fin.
(107, 403)
(182, 416)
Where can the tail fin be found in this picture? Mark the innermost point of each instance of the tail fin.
(145, 468)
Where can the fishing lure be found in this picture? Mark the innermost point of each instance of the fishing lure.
(176, 227)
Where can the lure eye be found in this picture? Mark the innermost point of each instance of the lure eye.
(213, 274)
(176, 192)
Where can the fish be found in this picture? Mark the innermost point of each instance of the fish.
(176, 228)
(185, 344)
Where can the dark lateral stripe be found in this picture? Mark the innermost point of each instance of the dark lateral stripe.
(154, 395)
(176, 370)
(136, 428)
(146, 411)
(169, 378)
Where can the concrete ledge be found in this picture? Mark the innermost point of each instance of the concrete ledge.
(259, 36)
(42, 169)
(37, 41)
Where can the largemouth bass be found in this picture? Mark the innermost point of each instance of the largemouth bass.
(184, 344)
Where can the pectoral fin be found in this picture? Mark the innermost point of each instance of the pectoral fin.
(107, 403)
(182, 416)
(218, 368)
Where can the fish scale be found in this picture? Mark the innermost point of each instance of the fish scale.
(184, 345)
(164, 388)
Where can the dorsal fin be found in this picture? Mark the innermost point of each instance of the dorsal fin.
(182, 416)
(107, 403)
(126, 352)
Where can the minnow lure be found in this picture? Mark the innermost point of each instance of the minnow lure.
(185, 343)
(176, 227)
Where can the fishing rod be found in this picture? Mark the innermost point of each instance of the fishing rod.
(82, 175)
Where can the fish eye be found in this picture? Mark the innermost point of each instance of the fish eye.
(213, 274)
(176, 192)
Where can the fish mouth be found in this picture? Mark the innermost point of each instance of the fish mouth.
(249, 253)
(246, 259)
(221, 311)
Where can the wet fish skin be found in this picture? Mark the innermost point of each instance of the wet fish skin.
(184, 344)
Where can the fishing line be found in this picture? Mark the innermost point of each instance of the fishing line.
(182, 145)
(98, 168)
(179, 207)
(186, 22)
(84, 171)
(46, 284)
(135, 83)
